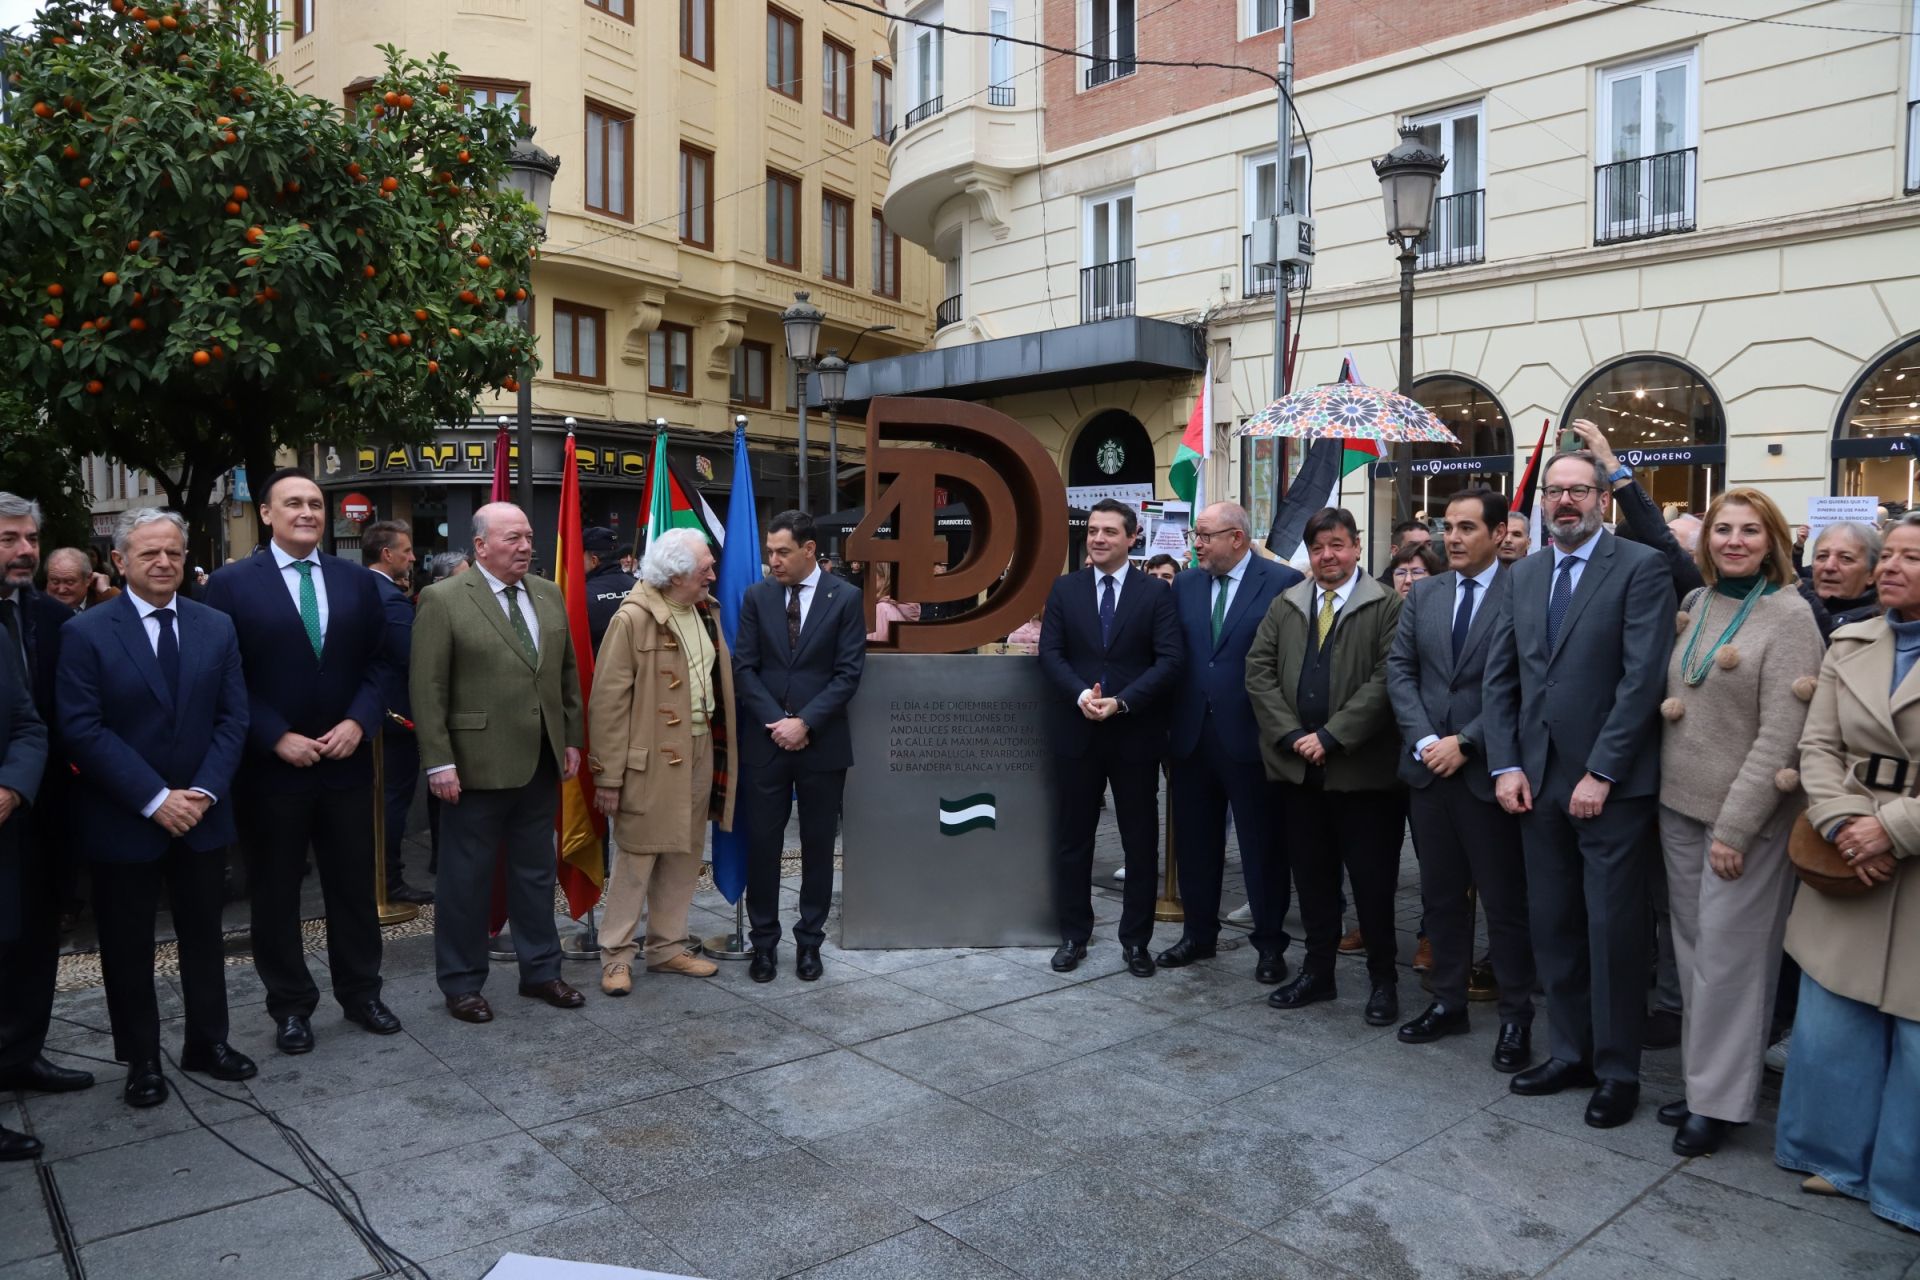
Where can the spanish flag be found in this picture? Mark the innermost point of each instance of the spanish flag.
(581, 831)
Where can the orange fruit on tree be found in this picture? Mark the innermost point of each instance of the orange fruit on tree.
(391, 98)
(229, 137)
(253, 262)
(137, 325)
(50, 320)
(465, 157)
(219, 352)
(393, 339)
(239, 193)
(483, 262)
(519, 295)
(55, 290)
(511, 384)
(420, 314)
(86, 182)
(433, 366)
(103, 323)
(69, 152)
(468, 296)
(42, 110)
(406, 102)
(224, 121)
(254, 235)
(133, 246)
(293, 186)
(109, 278)
(499, 295)
(202, 359)
(367, 271)
(406, 339)
(137, 14)
(170, 22)
(453, 333)
(138, 298)
(86, 326)
(95, 386)
(153, 24)
(232, 208)
(443, 89)
(389, 184)
(59, 344)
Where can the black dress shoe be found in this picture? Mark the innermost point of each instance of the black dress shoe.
(1272, 969)
(1185, 952)
(1674, 1114)
(1514, 1047)
(1700, 1136)
(44, 1077)
(374, 1016)
(221, 1061)
(1552, 1076)
(1662, 1030)
(407, 893)
(146, 1087)
(1613, 1104)
(18, 1146)
(1140, 961)
(1383, 1005)
(1068, 957)
(1437, 1021)
(295, 1034)
(1308, 988)
(764, 965)
(806, 963)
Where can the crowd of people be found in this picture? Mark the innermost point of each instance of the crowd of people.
(1656, 756)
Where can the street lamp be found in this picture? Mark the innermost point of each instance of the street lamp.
(832, 372)
(1409, 176)
(802, 322)
(530, 171)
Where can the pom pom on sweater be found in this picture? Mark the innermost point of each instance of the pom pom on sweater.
(1673, 708)
(1803, 687)
(1682, 622)
(1787, 780)
(1727, 659)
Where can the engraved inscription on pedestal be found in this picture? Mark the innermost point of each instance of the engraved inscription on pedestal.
(982, 735)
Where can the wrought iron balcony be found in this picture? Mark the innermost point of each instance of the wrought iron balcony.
(1913, 147)
(1106, 291)
(931, 107)
(999, 95)
(1647, 197)
(1458, 235)
(948, 312)
(1106, 69)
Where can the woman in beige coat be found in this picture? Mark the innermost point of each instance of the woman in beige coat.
(1850, 1106)
(658, 726)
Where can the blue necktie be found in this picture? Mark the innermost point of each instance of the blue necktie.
(1106, 609)
(1558, 602)
(168, 653)
(1463, 616)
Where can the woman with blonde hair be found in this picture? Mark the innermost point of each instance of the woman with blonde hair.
(1742, 670)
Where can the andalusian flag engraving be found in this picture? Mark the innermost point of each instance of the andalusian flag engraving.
(968, 813)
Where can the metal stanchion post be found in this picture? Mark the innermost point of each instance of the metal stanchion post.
(731, 946)
(391, 913)
(1168, 907)
(586, 942)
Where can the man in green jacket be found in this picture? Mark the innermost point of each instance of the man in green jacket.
(496, 710)
(1317, 677)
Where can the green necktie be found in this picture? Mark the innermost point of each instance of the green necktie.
(1219, 604)
(310, 606)
(520, 625)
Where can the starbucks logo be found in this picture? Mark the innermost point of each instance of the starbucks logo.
(1110, 457)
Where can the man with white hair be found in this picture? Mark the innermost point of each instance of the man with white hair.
(660, 720)
(72, 581)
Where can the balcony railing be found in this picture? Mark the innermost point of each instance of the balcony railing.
(1256, 280)
(1107, 69)
(1106, 291)
(1458, 234)
(1650, 196)
(1913, 147)
(948, 312)
(888, 134)
(931, 107)
(999, 95)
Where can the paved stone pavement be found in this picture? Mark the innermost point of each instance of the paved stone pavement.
(939, 1115)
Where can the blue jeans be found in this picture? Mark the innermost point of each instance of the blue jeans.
(1850, 1107)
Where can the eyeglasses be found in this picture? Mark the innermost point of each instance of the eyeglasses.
(1410, 571)
(1578, 492)
(1202, 535)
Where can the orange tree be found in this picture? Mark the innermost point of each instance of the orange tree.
(203, 265)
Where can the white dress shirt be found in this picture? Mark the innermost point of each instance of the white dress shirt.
(151, 625)
(291, 576)
(1100, 577)
(1235, 576)
(1580, 555)
(521, 597)
(1341, 594)
(807, 586)
(1483, 580)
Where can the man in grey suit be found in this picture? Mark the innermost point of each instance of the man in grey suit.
(1463, 837)
(1576, 667)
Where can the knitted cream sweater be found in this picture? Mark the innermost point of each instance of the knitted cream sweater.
(1730, 747)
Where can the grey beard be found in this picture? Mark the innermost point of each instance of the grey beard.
(1588, 526)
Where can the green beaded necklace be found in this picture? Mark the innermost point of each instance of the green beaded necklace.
(1690, 672)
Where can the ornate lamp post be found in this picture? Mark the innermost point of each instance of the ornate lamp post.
(802, 322)
(1409, 176)
(530, 171)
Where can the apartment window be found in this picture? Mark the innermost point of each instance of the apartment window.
(836, 237)
(1000, 54)
(511, 94)
(783, 53)
(302, 19)
(618, 8)
(1264, 15)
(783, 220)
(696, 31)
(609, 162)
(1457, 235)
(270, 36)
(751, 361)
(1913, 106)
(1263, 202)
(670, 360)
(952, 274)
(1648, 130)
(1107, 264)
(836, 80)
(1111, 42)
(696, 196)
(886, 258)
(883, 100)
(927, 71)
(579, 342)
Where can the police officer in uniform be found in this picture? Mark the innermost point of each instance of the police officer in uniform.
(607, 582)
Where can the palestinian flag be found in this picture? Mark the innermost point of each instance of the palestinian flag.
(672, 500)
(968, 813)
(1359, 453)
(1188, 476)
(1530, 478)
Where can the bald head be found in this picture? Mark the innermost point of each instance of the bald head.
(69, 574)
(1221, 535)
(503, 541)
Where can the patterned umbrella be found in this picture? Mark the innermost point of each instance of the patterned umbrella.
(1348, 411)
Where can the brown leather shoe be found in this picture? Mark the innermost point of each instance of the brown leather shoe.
(1352, 942)
(556, 993)
(686, 964)
(1423, 957)
(470, 1006)
(616, 980)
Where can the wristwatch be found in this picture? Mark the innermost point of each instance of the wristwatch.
(1619, 473)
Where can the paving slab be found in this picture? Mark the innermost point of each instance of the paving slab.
(1210, 1063)
(1190, 990)
(1258, 1258)
(940, 1156)
(574, 1068)
(639, 1147)
(50, 1266)
(345, 1060)
(820, 1096)
(1594, 1262)
(288, 1236)
(925, 1253)
(658, 1000)
(1080, 1018)
(25, 1231)
(1372, 1111)
(1318, 1031)
(396, 1122)
(1745, 1161)
(745, 1038)
(604, 1236)
(1084, 1103)
(978, 981)
(1643, 1137)
(173, 1176)
(962, 1055)
(855, 1012)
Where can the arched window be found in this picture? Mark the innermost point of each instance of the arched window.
(1485, 455)
(1665, 421)
(1877, 438)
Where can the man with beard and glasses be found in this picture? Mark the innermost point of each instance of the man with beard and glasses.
(1575, 673)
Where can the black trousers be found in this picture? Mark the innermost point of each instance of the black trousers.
(126, 896)
(1202, 788)
(29, 962)
(514, 824)
(1082, 781)
(277, 830)
(769, 790)
(1586, 893)
(1358, 830)
(1463, 843)
(402, 764)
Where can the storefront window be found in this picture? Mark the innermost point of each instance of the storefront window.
(1663, 420)
(1485, 455)
(1877, 438)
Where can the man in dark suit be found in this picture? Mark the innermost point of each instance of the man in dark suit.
(313, 638)
(38, 861)
(1464, 838)
(1110, 647)
(386, 549)
(802, 645)
(1576, 667)
(1215, 745)
(152, 709)
(23, 759)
